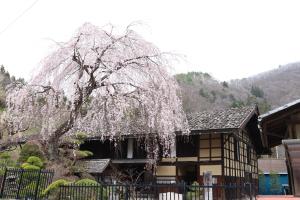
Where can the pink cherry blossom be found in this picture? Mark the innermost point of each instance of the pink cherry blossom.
(105, 85)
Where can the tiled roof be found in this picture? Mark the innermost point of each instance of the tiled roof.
(219, 119)
(275, 165)
(94, 165)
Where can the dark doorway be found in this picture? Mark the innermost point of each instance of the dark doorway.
(187, 173)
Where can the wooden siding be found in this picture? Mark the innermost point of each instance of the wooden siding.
(166, 171)
(215, 169)
(210, 147)
(240, 160)
(231, 156)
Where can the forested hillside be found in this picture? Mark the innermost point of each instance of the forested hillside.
(270, 89)
(280, 86)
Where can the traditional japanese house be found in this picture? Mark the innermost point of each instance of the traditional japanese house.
(282, 126)
(224, 142)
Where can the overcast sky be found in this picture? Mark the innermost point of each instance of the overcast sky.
(228, 39)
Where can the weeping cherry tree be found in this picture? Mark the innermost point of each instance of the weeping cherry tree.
(104, 84)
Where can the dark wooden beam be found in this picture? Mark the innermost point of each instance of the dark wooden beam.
(295, 121)
(278, 116)
(275, 135)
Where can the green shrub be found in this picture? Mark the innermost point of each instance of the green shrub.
(81, 136)
(77, 169)
(28, 190)
(30, 150)
(53, 187)
(86, 181)
(6, 160)
(36, 161)
(83, 154)
(2, 171)
(28, 166)
(4, 156)
(30, 185)
(90, 194)
(88, 153)
(29, 178)
(195, 193)
(33, 163)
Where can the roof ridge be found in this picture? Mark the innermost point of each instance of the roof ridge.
(220, 118)
(224, 109)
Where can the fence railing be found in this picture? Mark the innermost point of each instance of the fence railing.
(29, 184)
(2, 172)
(24, 184)
(179, 191)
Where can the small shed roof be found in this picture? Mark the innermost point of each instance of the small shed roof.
(231, 118)
(94, 165)
(279, 109)
(275, 123)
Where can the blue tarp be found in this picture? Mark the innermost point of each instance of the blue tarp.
(265, 185)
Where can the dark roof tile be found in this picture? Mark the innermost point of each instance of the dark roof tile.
(94, 165)
(219, 119)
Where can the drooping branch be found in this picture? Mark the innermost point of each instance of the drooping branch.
(120, 81)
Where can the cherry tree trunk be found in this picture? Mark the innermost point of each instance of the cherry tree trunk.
(53, 150)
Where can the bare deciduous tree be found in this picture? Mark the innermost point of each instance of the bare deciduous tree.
(103, 84)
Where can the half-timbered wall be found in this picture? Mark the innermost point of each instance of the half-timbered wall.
(210, 154)
(229, 156)
(210, 147)
(240, 160)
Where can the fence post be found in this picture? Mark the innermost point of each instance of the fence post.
(101, 192)
(59, 194)
(250, 191)
(20, 183)
(37, 185)
(183, 190)
(3, 183)
(126, 192)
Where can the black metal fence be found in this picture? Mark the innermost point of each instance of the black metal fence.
(2, 172)
(29, 184)
(24, 184)
(179, 191)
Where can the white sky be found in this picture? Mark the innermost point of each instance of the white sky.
(229, 39)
